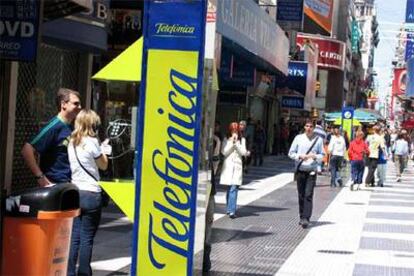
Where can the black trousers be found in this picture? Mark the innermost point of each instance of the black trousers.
(372, 166)
(305, 185)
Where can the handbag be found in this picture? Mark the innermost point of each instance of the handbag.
(105, 196)
(301, 161)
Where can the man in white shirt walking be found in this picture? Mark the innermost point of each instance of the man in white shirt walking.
(306, 150)
(336, 149)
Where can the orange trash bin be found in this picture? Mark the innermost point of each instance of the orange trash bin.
(37, 233)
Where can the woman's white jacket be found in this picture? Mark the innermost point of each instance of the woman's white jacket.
(232, 170)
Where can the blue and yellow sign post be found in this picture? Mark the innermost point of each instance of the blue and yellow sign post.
(168, 137)
(348, 120)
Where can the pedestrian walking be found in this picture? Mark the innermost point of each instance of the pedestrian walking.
(306, 150)
(400, 155)
(336, 149)
(382, 168)
(284, 138)
(234, 148)
(86, 157)
(244, 134)
(358, 149)
(51, 142)
(259, 144)
(375, 142)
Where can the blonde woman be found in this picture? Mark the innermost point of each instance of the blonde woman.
(86, 157)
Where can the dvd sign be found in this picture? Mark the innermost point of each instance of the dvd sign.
(19, 24)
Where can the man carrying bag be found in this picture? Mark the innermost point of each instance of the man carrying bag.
(307, 151)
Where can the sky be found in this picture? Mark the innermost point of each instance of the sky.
(390, 16)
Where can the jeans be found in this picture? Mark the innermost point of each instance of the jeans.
(305, 185)
(381, 173)
(357, 171)
(231, 197)
(83, 233)
(372, 166)
(335, 165)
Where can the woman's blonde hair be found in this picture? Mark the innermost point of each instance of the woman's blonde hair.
(86, 124)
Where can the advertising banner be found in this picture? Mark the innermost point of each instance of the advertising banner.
(168, 137)
(320, 11)
(331, 51)
(290, 14)
(19, 29)
(399, 82)
(409, 92)
(409, 11)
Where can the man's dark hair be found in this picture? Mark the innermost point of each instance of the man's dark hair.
(63, 95)
(309, 121)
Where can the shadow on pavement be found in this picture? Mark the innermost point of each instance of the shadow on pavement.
(319, 223)
(248, 211)
(220, 235)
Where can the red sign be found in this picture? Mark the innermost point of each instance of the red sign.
(331, 51)
(399, 82)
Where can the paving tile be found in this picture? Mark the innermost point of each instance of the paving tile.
(386, 244)
(364, 270)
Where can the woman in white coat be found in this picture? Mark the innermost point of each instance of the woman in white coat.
(233, 149)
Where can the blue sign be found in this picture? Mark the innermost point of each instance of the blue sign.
(248, 25)
(347, 113)
(234, 71)
(409, 11)
(409, 91)
(297, 76)
(409, 46)
(19, 29)
(290, 14)
(293, 102)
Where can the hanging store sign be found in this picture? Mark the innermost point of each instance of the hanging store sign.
(290, 14)
(320, 11)
(248, 25)
(355, 35)
(19, 29)
(168, 137)
(399, 82)
(331, 51)
(409, 11)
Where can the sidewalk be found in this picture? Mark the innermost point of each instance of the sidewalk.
(368, 232)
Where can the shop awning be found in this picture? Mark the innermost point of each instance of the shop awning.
(54, 9)
(360, 115)
(125, 67)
